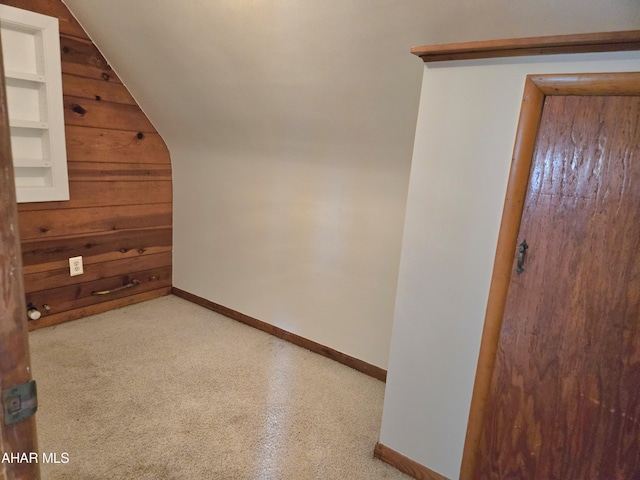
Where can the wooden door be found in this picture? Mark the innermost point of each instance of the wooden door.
(561, 392)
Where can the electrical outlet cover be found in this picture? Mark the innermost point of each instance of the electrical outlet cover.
(75, 266)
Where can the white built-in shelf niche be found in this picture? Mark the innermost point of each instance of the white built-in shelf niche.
(31, 51)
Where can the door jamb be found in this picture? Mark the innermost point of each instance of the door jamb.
(18, 439)
(537, 87)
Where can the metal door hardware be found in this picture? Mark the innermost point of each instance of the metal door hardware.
(522, 252)
(19, 402)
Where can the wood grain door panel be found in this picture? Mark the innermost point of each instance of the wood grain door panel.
(564, 398)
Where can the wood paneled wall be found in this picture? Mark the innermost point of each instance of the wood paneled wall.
(119, 216)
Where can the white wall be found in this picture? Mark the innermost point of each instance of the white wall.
(464, 141)
(292, 210)
(290, 125)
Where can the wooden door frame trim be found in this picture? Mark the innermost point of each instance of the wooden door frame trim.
(535, 90)
(514, 47)
(15, 368)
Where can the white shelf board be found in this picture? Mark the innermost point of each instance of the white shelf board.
(31, 51)
(31, 162)
(30, 77)
(16, 123)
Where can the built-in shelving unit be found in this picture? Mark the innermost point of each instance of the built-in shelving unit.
(31, 52)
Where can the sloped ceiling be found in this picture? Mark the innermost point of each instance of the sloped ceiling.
(221, 71)
(291, 125)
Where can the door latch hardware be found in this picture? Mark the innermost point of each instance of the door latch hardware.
(522, 252)
(20, 402)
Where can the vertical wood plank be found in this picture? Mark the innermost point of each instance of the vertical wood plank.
(15, 366)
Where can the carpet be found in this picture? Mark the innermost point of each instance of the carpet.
(167, 389)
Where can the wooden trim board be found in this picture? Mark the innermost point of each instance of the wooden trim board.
(405, 464)
(514, 47)
(69, 315)
(536, 88)
(349, 361)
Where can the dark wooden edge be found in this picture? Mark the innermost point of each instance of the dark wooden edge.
(349, 361)
(405, 464)
(581, 43)
(15, 361)
(536, 87)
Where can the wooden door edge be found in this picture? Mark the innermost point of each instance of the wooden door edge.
(531, 110)
(17, 436)
(535, 90)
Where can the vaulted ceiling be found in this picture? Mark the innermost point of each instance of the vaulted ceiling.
(218, 72)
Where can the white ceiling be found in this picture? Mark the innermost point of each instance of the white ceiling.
(211, 73)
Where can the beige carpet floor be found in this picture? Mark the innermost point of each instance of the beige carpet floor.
(169, 390)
